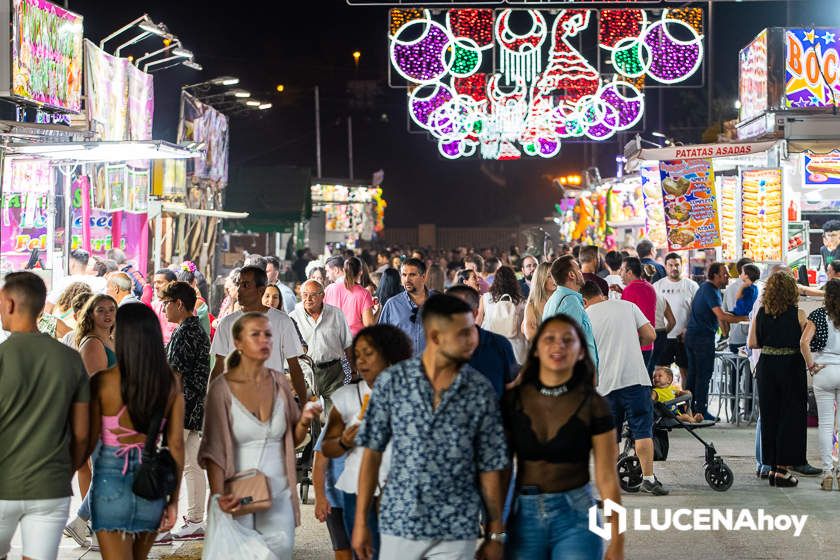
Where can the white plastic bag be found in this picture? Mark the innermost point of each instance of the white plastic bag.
(226, 539)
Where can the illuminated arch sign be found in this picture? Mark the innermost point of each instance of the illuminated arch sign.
(503, 84)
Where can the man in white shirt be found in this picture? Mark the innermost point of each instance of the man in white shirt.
(286, 345)
(79, 259)
(327, 335)
(613, 261)
(678, 292)
(621, 329)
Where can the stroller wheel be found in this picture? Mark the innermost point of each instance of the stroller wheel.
(719, 476)
(630, 473)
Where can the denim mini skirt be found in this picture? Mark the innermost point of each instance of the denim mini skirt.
(114, 506)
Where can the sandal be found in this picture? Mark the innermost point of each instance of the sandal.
(827, 482)
(786, 480)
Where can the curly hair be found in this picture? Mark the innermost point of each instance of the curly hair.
(65, 301)
(85, 325)
(391, 342)
(832, 301)
(780, 294)
(505, 283)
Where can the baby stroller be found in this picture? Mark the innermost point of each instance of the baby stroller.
(305, 452)
(718, 474)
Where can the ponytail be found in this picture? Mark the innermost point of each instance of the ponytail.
(648, 272)
(233, 359)
(352, 268)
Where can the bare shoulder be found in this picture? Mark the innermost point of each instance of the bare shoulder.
(105, 384)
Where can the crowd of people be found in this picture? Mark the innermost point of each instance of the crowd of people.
(462, 395)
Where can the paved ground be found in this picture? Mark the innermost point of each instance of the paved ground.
(683, 473)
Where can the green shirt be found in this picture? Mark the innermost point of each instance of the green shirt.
(40, 380)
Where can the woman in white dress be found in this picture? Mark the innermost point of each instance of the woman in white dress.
(253, 422)
(375, 348)
(502, 311)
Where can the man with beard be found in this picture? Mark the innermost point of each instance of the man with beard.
(679, 293)
(567, 300)
(430, 408)
(402, 310)
(529, 266)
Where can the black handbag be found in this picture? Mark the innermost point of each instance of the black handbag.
(155, 477)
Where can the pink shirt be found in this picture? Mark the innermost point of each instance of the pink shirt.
(351, 302)
(643, 295)
(166, 327)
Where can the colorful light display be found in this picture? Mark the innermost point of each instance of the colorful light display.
(752, 78)
(542, 89)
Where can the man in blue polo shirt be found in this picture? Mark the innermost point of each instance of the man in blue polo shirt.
(494, 356)
(706, 312)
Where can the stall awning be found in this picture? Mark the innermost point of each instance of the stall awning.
(102, 151)
(275, 197)
(702, 151)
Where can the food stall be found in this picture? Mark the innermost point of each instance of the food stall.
(353, 212)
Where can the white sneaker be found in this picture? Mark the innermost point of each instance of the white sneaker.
(163, 538)
(189, 531)
(79, 531)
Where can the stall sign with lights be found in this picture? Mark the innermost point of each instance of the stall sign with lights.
(481, 86)
(752, 78)
(812, 68)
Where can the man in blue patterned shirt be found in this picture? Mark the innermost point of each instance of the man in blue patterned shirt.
(449, 451)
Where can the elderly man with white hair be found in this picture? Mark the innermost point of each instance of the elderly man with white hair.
(120, 287)
(327, 337)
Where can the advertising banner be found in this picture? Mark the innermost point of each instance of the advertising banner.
(23, 222)
(201, 123)
(141, 103)
(761, 214)
(729, 219)
(812, 68)
(822, 170)
(691, 209)
(752, 78)
(47, 54)
(107, 93)
(654, 210)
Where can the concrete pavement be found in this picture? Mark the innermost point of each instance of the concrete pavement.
(683, 474)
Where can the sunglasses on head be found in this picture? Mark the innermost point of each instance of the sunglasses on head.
(414, 312)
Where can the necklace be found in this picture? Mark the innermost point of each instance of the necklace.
(555, 391)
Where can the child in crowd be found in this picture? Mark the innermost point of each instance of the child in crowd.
(664, 390)
(748, 292)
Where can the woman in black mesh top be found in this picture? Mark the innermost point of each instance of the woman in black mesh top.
(554, 419)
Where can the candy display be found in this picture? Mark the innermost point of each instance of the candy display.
(761, 209)
(729, 222)
(350, 209)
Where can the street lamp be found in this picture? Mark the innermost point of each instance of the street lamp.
(356, 56)
(193, 65)
(264, 106)
(145, 23)
(658, 134)
(222, 81)
(280, 88)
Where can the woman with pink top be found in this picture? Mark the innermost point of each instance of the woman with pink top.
(349, 296)
(138, 395)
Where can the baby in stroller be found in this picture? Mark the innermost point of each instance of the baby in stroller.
(664, 390)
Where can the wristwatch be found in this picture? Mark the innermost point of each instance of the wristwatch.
(500, 538)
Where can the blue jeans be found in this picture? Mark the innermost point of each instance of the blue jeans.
(701, 365)
(759, 460)
(350, 519)
(554, 526)
(113, 504)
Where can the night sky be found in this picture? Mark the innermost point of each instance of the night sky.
(306, 43)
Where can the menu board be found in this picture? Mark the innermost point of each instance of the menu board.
(729, 222)
(691, 212)
(654, 211)
(822, 170)
(761, 214)
(811, 56)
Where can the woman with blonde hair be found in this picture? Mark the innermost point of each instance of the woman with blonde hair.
(252, 421)
(782, 384)
(542, 286)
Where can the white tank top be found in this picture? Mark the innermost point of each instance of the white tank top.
(348, 401)
(259, 445)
